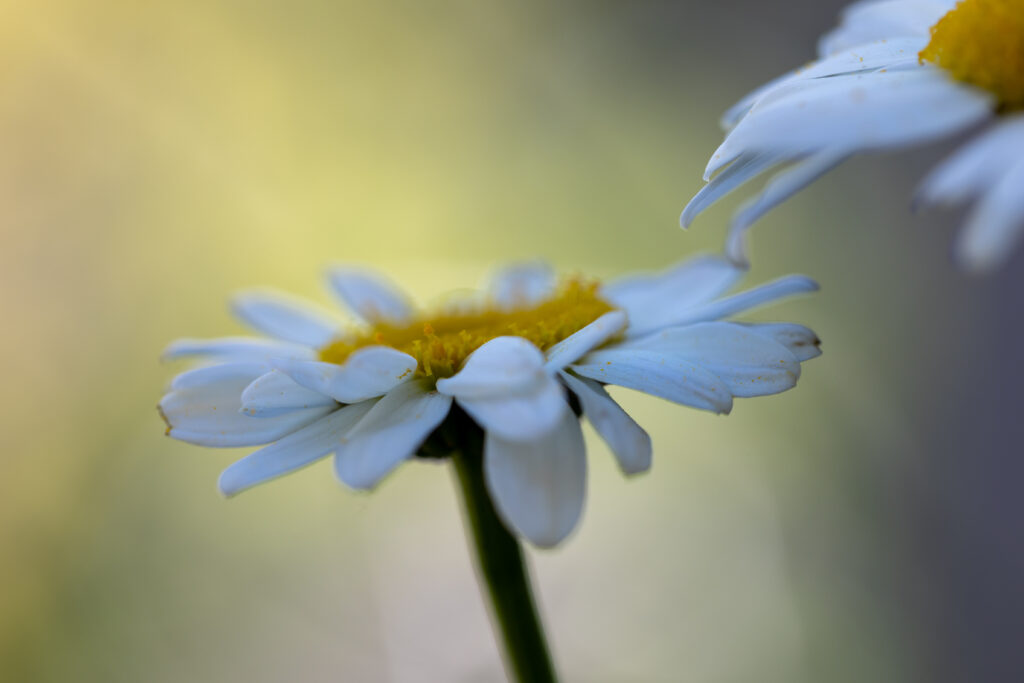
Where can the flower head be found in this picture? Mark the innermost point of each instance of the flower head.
(517, 364)
(895, 73)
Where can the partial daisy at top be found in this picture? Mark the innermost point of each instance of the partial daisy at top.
(893, 74)
(516, 364)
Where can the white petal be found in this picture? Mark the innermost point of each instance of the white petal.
(780, 188)
(649, 300)
(390, 433)
(369, 295)
(767, 293)
(749, 364)
(741, 170)
(236, 349)
(575, 346)
(367, 373)
(867, 111)
(995, 224)
(626, 439)
(286, 317)
(864, 22)
(213, 374)
(976, 166)
(539, 487)
(275, 393)
(297, 450)
(801, 341)
(871, 56)
(658, 374)
(203, 408)
(502, 366)
(522, 285)
(519, 416)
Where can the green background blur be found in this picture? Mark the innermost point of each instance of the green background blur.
(158, 156)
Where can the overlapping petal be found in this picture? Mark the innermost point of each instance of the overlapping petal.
(275, 393)
(660, 374)
(236, 349)
(574, 347)
(203, 407)
(286, 317)
(367, 373)
(389, 433)
(370, 295)
(784, 287)
(521, 285)
(875, 20)
(750, 364)
(294, 451)
(505, 388)
(801, 341)
(630, 444)
(539, 486)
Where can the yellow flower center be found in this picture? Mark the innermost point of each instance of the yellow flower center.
(440, 343)
(981, 42)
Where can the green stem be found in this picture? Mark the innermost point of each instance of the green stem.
(500, 564)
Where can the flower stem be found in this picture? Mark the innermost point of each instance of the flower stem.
(500, 565)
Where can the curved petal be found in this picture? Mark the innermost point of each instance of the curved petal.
(658, 374)
(995, 224)
(285, 317)
(976, 166)
(275, 393)
(367, 373)
(539, 487)
(236, 349)
(522, 416)
(749, 364)
(203, 407)
(522, 285)
(502, 366)
(208, 375)
(801, 341)
(864, 22)
(575, 346)
(293, 452)
(390, 433)
(871, 56)
(865, 111)
(370, 296)
(650, 299)
(744, 168)
(669, 316)
(630, 444)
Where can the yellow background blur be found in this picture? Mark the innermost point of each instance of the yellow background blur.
(158, 156)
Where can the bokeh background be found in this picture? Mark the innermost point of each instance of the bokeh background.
(158, 156)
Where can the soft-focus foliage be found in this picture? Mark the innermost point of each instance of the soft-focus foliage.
(158, 156)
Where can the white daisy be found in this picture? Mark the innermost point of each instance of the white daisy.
(520, 360)
(894, 73)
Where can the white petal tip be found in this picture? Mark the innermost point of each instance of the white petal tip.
(687, 216)
(228, 489)
(739, 259)
(802, 283)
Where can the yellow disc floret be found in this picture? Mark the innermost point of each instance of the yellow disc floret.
(981, 42)
(440, 343)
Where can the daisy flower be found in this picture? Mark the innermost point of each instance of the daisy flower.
(894, 73)
(517, 363)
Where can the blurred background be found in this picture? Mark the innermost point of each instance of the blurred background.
(158, 156)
